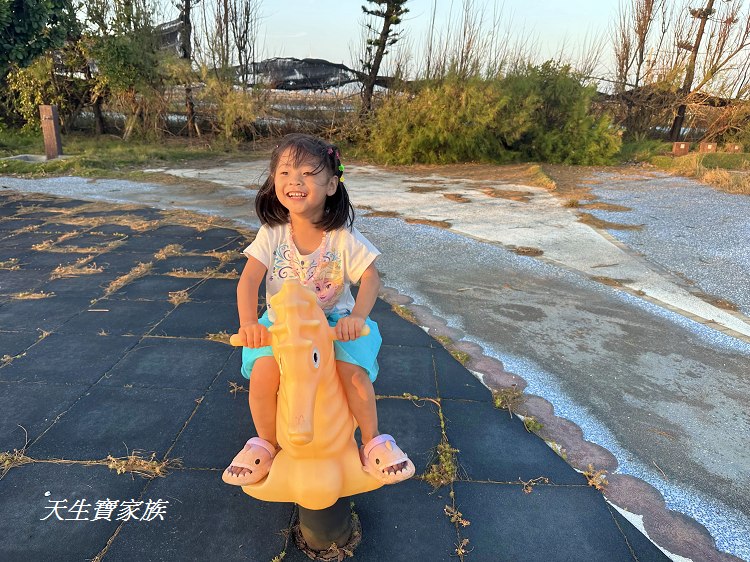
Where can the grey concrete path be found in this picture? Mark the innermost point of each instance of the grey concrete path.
(115, 359)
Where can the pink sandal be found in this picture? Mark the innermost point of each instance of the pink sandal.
(382, 453)
(257, 456)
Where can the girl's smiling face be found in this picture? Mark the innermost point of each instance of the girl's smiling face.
(303, 185)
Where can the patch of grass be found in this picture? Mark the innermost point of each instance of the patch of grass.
(539, 178)
(591, 220)
(460, 356)
(573, 203)
(596, 478)
(642, 150)
(455, 516)
(509, 398)
(728, 172)
(532, 424)
(107, 156)
(405, 313)
(445, 469)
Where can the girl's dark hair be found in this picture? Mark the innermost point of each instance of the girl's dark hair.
(338, 211)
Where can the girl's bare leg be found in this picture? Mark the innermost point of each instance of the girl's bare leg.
(264, 387)
(361, 397)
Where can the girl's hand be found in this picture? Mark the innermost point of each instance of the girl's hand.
(254, 335)
(349, 327)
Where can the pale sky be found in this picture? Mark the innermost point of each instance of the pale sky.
(331, 29)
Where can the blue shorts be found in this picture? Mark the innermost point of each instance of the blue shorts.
(362, 352)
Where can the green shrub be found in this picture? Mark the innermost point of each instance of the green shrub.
(446, 122)
(540, 113)
(564, 130)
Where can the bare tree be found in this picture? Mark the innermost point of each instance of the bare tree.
(390, 11)
(702, 16)
(244, 18)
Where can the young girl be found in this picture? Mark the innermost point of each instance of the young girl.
(307, 233)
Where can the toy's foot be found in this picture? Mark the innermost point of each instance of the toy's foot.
(382, 458)
(251, 464)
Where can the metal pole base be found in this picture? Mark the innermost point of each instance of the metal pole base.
(324, 534)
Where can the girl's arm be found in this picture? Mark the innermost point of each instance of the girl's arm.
(350, 327)
(253, 334)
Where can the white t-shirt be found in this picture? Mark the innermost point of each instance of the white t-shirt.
(347, 255)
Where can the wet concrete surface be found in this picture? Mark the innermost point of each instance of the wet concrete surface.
(666, 393)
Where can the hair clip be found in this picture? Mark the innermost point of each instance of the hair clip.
(341, 179)
(330, 151)
(341, 168)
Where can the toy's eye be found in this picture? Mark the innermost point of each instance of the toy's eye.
(316, 357)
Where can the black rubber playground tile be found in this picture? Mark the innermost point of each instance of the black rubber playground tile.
(174, 233)
(414, 425)
(19, 281)
(36, 314)
(154, 288)
(170, 363)
(198, 319)
(494, 446)
(123, 261)
(216, 290)
(30, 494)
(28, 409)
(115, 421)
(204, 520)
(188, 263)
(69, 358)
(397, 331)
(405, 369)
(454, 381)
(565, 524)
(145, 244)
(15, 343)
(220, 413)
(211, 243)
(9, 226)
(117, 317)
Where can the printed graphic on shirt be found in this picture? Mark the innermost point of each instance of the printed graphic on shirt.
(325, 275)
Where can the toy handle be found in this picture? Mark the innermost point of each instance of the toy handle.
(236, 341)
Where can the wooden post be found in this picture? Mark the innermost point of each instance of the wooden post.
(51, 131)
(707, 147)
(734, 147)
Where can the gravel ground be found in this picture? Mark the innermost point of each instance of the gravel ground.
(692, 230)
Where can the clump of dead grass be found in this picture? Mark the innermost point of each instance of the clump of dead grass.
(460, 356)
(528, 251)
(28, 295)
(80, 267)
(169, 251)
(134, 463)
(178, 297)
(596, 478)
(221, 337)
(528, 486)
(10, 264)
(510, 398)
(138, 271)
